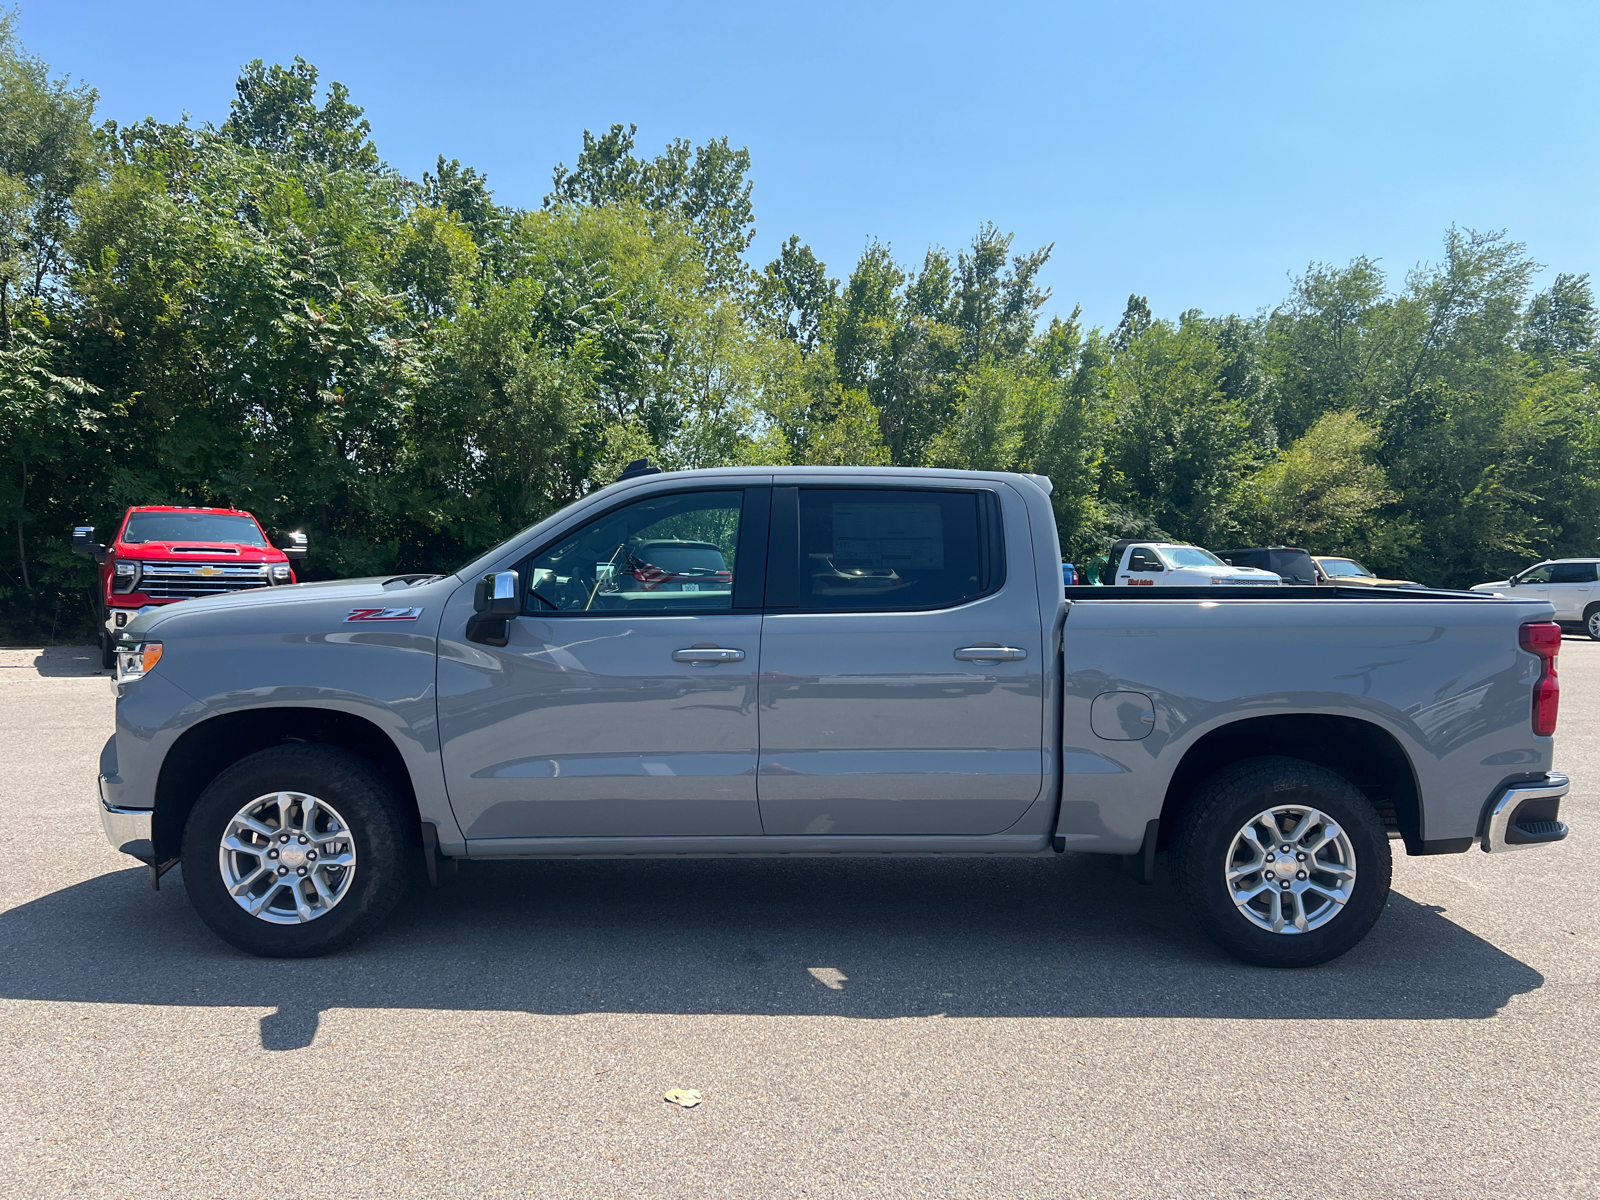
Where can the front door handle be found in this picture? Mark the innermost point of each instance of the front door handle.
(707, 656)
(991, 654)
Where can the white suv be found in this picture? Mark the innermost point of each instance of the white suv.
(1571, 584)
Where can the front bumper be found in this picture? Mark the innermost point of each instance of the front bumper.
(118, 618)
(127, 829)
(1524, 815)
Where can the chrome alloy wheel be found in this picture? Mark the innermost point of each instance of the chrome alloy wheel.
(1593, 624)
(287, 858)
(1290, 869)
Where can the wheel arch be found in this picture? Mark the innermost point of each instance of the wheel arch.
(1366, 754)
(207, 749)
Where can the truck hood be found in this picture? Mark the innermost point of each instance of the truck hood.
(198, 552)
(1224, 575)
(315, 606)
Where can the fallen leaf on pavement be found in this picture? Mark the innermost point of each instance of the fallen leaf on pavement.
(683, 1097)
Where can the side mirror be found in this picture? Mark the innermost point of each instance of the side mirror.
(496, 600)
(296, 547)
(83, 543)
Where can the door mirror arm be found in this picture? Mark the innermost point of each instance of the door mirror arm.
(496, 601)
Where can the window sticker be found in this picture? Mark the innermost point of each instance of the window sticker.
(907, 537)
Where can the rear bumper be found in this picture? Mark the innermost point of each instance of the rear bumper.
(127, 829)
(1525, 815)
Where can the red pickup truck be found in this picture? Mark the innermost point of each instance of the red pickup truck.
(161, 555)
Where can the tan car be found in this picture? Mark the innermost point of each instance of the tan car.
(1347, 571)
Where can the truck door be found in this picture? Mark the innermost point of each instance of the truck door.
(623, 702)
(901, 659)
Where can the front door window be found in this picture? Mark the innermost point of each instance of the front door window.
(624, 702)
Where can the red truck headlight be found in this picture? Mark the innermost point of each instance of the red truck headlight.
(125, 576)
(1544, 640)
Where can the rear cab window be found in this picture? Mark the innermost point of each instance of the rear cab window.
(1293, 564)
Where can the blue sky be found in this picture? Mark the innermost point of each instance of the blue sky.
(1199, 154)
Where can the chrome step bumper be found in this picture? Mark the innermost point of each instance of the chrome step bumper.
(1525, 815)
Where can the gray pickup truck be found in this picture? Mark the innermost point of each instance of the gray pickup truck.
(815, 661)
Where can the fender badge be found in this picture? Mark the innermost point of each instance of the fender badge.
(383, 614)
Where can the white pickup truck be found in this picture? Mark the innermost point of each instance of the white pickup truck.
(1170, 564)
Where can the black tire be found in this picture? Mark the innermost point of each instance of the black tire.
(1591, 621)
(108, 651)
(1219, 811)
(362, 797)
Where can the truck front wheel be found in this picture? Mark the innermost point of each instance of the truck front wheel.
(1285, 863)
(295, 851)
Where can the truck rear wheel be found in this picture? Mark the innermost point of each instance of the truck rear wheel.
(295, 851)
(1285, 863)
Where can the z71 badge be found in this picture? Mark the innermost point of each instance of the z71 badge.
(383, 614)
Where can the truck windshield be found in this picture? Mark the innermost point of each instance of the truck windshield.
(192, 527)
(1190, 556)
(1344, 568)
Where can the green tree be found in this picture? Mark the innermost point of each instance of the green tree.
(1327, 491)
(1178, 444)
(705, 186)
(47, 152)
(794, 298)
(276, 111)
(44, 416)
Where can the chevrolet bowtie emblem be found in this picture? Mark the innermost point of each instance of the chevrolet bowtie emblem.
(208, 572)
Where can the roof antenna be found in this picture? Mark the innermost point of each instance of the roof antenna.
(639, 466)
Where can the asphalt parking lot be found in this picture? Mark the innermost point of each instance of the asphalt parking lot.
(1042, 1027)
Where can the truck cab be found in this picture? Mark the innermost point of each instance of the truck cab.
(1169, 564)
(162, 554)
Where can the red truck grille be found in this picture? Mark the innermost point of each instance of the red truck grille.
(186, 580)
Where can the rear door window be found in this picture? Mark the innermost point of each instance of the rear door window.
(1572, 573)
(887, 549)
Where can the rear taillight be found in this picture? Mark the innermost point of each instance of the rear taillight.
(1544, 640)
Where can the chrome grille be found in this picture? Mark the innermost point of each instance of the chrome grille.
(187, 580)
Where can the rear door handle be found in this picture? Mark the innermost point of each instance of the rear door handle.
(707, 656)
(991, 654)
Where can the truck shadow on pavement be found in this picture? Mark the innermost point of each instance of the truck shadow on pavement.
(862, 938)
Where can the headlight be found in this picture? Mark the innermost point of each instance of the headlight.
(126, 577)
(280, 572)
(135, 658)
